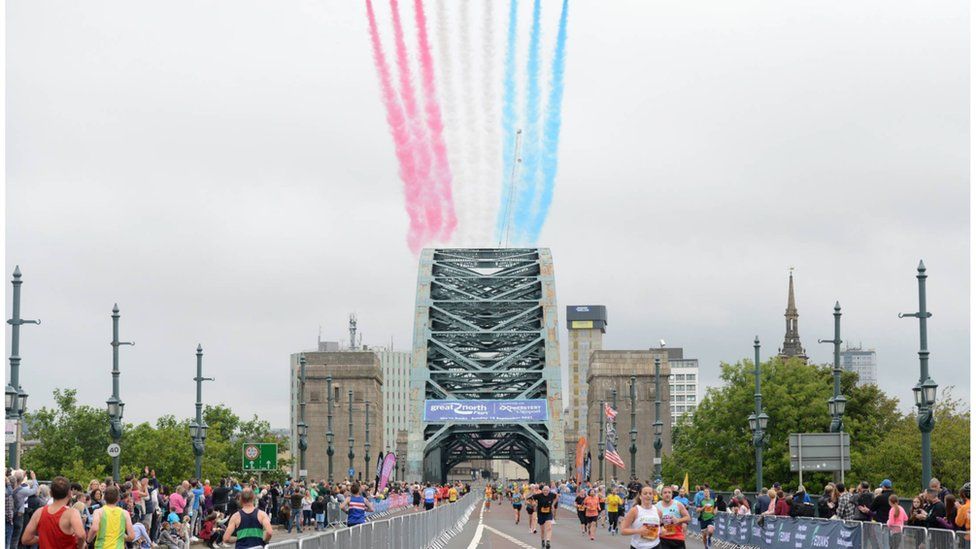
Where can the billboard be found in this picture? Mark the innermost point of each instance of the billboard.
(485, 411)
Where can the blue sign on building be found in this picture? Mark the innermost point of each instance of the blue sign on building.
(485, 411)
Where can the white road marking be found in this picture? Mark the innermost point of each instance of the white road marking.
(516, 541)
(479, 531)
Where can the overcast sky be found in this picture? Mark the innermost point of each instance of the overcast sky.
(223, 171)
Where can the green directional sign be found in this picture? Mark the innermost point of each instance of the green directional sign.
(259, 456)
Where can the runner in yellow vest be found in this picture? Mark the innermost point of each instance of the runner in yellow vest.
(111, 525)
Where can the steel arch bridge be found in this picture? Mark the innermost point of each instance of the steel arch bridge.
(486, 329)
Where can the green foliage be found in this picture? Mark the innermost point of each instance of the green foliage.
(715, 444)
(72, 441)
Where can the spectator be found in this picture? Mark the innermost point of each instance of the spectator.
(933, 509)
(935, 484)
(949, 522)
(177, 502)
(962, 514)
(318, 509)
(916, 516)
(880, 507)
(169, 537)
(22, 490)
(863, 501)
(827, 506)
(781, 507)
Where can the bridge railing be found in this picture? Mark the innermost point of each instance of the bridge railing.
(774, 532)
(421, 530)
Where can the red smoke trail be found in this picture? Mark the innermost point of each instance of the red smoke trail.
(442, 170)
(419, 144)
(418, 233)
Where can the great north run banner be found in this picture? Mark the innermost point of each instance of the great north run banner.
(786, 532)
(485, 411)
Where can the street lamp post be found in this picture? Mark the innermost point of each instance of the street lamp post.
(115, 404)
(925, 390)
(15, 399)
(658, 424)
(758, 422)
(633, 427)
(838, 402)
(329, 435)
(198, 429)
(302, 426)
(352, 440)
(366, 445)
(601, 415)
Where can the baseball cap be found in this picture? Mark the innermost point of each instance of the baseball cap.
(886, 483)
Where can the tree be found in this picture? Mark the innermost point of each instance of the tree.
(71, 437)
(715, 444)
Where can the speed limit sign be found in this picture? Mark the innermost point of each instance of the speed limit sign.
(114, 450)
(251, 452)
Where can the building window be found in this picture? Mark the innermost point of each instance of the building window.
(315, 396)
(691, 377)
(691, 388)
(679, 377)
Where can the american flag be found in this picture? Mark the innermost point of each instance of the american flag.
(612, 456)
(611, 413)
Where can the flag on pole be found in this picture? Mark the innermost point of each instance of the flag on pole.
(586, 467)
(611, 413)
(612, 456)
(685, 483)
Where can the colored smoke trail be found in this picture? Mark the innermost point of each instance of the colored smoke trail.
(530, 165)
(417, 234)
(418, 144)
(442, 170)
(550, 137)
(508, 126)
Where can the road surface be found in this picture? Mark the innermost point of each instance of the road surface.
(499, 531)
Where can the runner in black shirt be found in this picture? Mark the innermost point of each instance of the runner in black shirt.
(545, 503)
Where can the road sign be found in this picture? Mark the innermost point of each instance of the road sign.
(259, 456)
(11, 431)
(352, 472)
(825, 452)
(114, 450)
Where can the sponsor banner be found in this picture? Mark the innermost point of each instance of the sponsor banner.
(786, 532)
(389, 462)
(485, 411)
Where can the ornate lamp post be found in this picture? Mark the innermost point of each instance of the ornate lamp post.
(302, 426)
(352, 440)
(838, 402)
(198, 428)
(600, 445)
(658, 424)
(633, 427)
(114, 403)
(925, 390)
(366, 444)
(758, 422)
(329, 435)
(15, 399)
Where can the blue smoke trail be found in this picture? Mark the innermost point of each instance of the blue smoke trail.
(530, 164)
(508, 123)
(550, 138)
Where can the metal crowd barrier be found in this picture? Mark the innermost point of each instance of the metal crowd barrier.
(424, 529)
(775, 532)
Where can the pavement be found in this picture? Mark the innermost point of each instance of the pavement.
(499, 531)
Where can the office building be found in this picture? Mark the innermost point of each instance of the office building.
(586, 325)
(863, 362)
(685, 384)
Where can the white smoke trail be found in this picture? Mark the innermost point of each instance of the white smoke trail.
(468, 127)
(452, 135)
(490, 171)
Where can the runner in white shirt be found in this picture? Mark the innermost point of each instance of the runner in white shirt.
(643, 521)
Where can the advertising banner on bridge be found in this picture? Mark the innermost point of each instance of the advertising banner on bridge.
(485, 411)
(785, 532)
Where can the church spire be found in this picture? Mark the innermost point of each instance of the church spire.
(791, 342)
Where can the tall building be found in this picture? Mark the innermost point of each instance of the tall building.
(586, 325)
(355, 371)
(609, 371)
(863, 362)
(396, 399)
(685, 384)
(791, 342)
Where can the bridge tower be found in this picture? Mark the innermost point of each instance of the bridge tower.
(485, 328)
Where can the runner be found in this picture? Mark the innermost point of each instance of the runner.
(57, 525)
(416, 497)
(530, 506)
(111, 525)
(614, 502)
(429, 495)
(643, 521)
(674, 517)
(356, 506)
(592, 506)
(544, 501)
(581, 510)
(706, 516)
(517, 504)
(452, 494)
(252, 526)
(488, 492)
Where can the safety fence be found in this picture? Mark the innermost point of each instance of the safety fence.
(335, 516)
(776, 532)
(420, 530)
